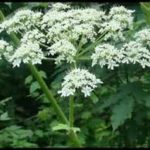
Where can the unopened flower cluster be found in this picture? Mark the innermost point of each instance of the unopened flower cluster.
(79, 79)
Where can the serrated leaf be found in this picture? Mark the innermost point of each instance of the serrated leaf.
(121, 112)
(124, 90)
(34, 86)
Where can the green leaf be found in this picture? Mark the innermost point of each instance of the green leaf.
(43, 74)
(145, 6)
(34, 86)
(28, 79)
(3, 101)
(39, 133)
(4, 117)
(44, 114)
(86, 115)
(121, 112)
(94, 98)
(9, 4)
(31, 5)
(60, 127)
(64, 127)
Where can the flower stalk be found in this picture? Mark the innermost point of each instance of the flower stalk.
(71, 111)
(46, 90)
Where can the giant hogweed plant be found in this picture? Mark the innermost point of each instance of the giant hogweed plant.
(85, 40)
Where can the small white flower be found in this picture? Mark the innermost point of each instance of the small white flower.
(22, 20)
(135, 53)
(122, 15)
(80, 79)
(65, 51)
(29, 52)
(143, 36)
(5, 49)
(118, 19)
(106, 54)
(72, 24)
(60, 6)
(34, 35)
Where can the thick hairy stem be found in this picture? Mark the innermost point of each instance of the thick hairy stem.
(46, 90)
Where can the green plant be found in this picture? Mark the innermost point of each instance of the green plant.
(112, 108)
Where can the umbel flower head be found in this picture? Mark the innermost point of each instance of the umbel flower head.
(29, 52)
(107, 55)
(59, 6)
(80, 79)
(118, 19)
(33, 35)
(135, 52)
(65, 51)
(5, 49)
(65, 30)
(72, 24)
(143, 36)
(22, 20)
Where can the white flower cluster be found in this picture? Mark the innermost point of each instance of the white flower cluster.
(143, 36)
(118, 19)
(5, 49)
(123, 16)
(79, 79)
(134, 52)
(29, 52)
(72, 24)
(65, 51)
(21, 21)
(106, 54)
(59, 6)
(34, 35)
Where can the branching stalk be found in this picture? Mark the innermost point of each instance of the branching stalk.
(46, 90)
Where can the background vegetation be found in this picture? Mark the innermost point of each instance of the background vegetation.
(116, 115)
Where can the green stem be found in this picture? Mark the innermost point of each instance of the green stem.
(49, 95)
(71, 111)
(92, 46)
(47, 92)
(126, 73)
(71, 120)
(2, 17)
